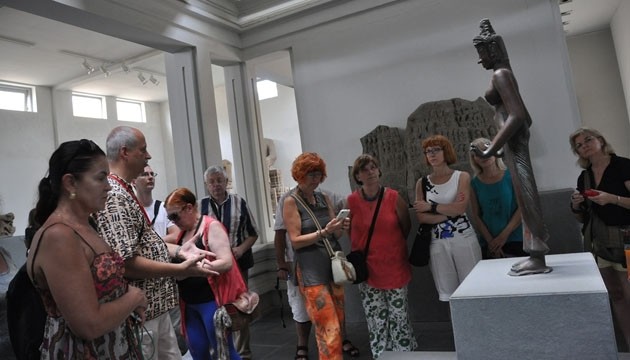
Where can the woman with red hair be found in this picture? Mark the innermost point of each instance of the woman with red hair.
(324, 299)
(454, 246)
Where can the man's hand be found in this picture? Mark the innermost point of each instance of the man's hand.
(238, 251)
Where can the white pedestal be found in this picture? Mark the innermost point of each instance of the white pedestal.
(564, 314)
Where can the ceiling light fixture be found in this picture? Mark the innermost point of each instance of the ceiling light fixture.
(566, 13)
(125, 68)
(104, 70)
(155, 81)
(142, 79)
(90, 69)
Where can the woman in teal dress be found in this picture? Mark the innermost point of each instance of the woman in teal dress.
(495, 213)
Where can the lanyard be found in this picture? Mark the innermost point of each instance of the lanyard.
(126, 186)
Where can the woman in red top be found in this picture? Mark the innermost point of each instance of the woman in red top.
(385, 291)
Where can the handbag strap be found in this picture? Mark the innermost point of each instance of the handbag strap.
(299, 199)
(378, 205)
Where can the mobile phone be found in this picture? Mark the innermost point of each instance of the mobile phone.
(343, 213)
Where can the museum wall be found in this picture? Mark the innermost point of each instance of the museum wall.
(598, 87)
(620, 28)
(28, 139)
(378, 67)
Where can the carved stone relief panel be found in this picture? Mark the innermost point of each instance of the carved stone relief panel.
(400, 151)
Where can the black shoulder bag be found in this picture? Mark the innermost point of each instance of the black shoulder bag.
(420, 250)
(358, 258)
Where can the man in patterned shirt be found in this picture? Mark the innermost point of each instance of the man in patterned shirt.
(239, 223)
(125, 226)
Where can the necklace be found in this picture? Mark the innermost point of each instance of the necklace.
(370, 198)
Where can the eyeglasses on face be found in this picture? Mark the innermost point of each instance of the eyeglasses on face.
(315, 174)
(587, 140)
(147, 174)
(432, 151)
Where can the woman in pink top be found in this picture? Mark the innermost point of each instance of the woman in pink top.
(384, 294)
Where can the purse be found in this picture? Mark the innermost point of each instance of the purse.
(358, 258)
(421, 249)
(342, 270)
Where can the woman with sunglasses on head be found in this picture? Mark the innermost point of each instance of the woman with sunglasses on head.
(494, 210)
(454, 247)
(198, 295)
(602, 203)
(91, 308)
(323, 298)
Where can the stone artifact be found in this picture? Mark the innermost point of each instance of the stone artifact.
(6, 224)
(512, 141)
(400, 153)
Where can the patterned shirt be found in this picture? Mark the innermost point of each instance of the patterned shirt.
(238, 221)
(124, 226)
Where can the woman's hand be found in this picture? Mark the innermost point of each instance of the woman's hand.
(422, 206)
(189, 250)
(141, 302)
(604, 198)
(335, 225)
(576, 200)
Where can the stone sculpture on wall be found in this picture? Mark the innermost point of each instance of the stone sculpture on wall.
(400, 153)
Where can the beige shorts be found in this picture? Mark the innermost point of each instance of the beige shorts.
(603, 263)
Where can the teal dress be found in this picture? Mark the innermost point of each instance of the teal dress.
(497, 204)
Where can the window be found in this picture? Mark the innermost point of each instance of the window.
(90, 106)
(267, 89)
(17, 97)
(129, 110)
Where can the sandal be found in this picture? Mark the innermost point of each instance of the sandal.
(350, 349)
(301, 353)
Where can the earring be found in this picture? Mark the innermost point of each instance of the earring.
(73, 195)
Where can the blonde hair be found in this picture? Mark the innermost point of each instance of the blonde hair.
(478, 143)
(606, 147)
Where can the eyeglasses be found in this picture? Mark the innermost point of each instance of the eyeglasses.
(174, 216)
(147, 174)
(587, 140)
(432, 151)
(315, 174)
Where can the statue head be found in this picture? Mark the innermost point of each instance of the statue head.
(490, 46)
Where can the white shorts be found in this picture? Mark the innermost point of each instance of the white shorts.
(296, 301)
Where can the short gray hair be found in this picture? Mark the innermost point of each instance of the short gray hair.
(214, 169)
(120, 136)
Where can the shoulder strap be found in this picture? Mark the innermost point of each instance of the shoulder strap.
(156, 210)
(42, 235)
(205, 202)
(424, 187)
(299, 199)
(378, 206)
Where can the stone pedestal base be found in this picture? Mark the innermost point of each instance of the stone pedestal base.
(561, 315)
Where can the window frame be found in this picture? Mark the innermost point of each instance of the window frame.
(102, 99)
(29, 92)
(143, 111)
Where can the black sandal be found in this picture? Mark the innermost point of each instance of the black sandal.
(352, 350)
(301, 353)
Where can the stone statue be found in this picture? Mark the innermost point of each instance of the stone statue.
(512, 141)
(269, 149)
(6, 224)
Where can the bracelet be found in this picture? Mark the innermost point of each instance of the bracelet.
(434, 206)
(177, 251)
(618, 199)
(319, 234)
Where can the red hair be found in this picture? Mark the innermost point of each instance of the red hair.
(305, 163)
(180, 197)
(441, 141)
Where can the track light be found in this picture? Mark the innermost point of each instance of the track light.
(125, 68)
(142, 79)
(155, 81)
(90, 69)
(104, 70)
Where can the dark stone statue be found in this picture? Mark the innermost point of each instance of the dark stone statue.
(512, 142)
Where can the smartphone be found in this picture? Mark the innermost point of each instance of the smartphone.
(343, 213)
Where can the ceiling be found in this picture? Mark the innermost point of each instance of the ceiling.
(44, 52)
